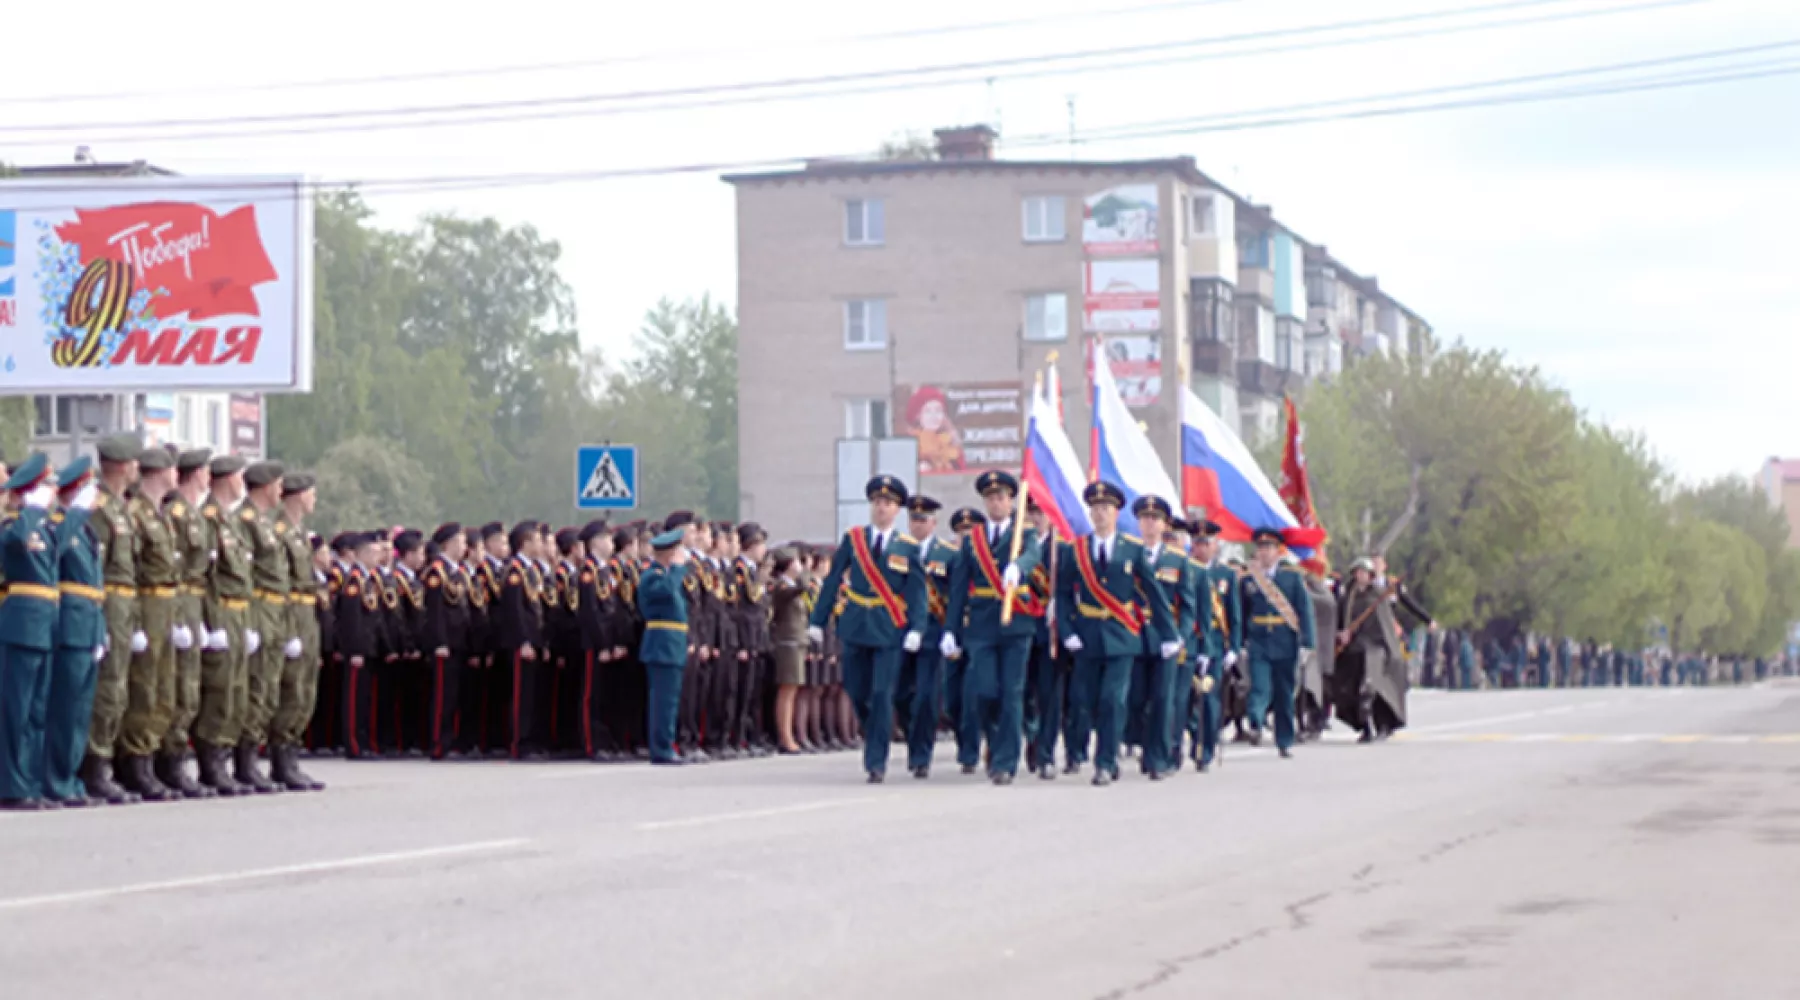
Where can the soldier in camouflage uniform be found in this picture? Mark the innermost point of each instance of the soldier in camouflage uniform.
(266, 634)
(224, 693)
(193, 552)
(299, 689)
(159, 573)
(118, 560)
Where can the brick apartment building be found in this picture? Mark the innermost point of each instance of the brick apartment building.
(888, 306)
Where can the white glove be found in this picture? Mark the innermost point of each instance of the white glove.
(1202, 663)
(85, 497)
(815, 634)
(41, 496)
(947, 646)
(139, 641)
(1072, 644)
(1169, 649)
(219, 640)
(182, 637)
(292, 649)
(252, 642)
(99, 653)
(1231, 658)
(911, 644)
(1011, 576)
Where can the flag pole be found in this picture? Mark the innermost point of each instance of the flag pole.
(1018, 538)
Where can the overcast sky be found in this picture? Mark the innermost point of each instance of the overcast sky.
(1638, 247)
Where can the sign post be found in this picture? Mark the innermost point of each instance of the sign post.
(606, 477)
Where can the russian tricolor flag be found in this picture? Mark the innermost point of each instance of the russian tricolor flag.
(1219, 474)
(1053, 471)
(1123, 455)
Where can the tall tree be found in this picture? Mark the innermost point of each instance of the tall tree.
(687, 352)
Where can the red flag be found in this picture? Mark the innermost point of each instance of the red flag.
(1296, 487)
(207, 264)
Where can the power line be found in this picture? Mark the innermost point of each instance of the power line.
(285, 190)
(874, 88)
(988, 67)
(679, 55)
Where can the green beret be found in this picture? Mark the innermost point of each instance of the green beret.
(192, 459)
(262, 474)
(299, 482)
(225, 465)
(119, 448)
(156, 458)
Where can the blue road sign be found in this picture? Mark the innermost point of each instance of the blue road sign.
(606, 477)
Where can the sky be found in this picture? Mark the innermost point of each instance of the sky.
(1636, 247)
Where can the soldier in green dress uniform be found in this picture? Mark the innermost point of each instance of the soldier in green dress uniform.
(80, 642)
(152, 709)
(224, 693)
(1278, 617)
(125, 636)
(297, 694)
(664, 650)
(194, 553)
(266, 631)
(28, 623)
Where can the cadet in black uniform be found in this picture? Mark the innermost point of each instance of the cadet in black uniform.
(444, 636)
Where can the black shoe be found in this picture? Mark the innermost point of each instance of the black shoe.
(876, 777)
(1003, 778)
(667, 761)
(921, 773)
(96, 773)
(968, 769)
(1256, 737)
(284, 770)
(215, 772)
(1366, 736)
(1047, 772)
(1072, 767)
(136, 777)
(1285, 752)
(1156, 774)
(1203, 765)
(1102, 779)
(246, 772)
(306, 782)
(25, 805)
(79, 802)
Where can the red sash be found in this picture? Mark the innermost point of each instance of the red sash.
(1031, 605)
(896, 608)
(985, 557)
(1084, 561)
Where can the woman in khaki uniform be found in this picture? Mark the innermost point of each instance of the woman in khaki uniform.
(788, 632)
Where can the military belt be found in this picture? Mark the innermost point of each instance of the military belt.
(120, 590)
(160, 591)
(667, 626)
(862, 601)
(272, 596)
(36, 590)
(1268, 620)
(302, 599)
(234, 603)
(984, 592)
(94, 594)
(193, 589)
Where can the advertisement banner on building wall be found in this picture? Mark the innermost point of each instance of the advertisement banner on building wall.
(246, 423)
(1120, 220)
(155, 284)
(1122, 295)
(158, 417)
(963, 428)
(1136, 363)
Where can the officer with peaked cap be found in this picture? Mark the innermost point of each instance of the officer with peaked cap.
(663, 605)
(1167, 679)
(1278, 626)
(1221, 638)
(916, 698)
(28, 622)
(884, 614)
(80, 634)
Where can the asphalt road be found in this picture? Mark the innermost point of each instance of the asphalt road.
(1587, 844)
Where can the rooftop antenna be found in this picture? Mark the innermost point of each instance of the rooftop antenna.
(1069, 100)
(993, 104)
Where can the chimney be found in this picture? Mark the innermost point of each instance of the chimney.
(966, 142)
(83, 154)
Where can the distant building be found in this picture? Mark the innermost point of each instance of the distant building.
(1781, 483)
(910, 302)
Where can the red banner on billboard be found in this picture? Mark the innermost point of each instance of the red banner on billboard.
(207, 264)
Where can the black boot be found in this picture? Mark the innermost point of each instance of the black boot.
(284, 770)
(139, 779)
(312, 784)
(96, 774)
(213, 772)
(246, 772)
(171, 770)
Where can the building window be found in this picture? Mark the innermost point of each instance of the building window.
(866, 418)
(1321, 288)
(54, 416)
(865, 325)
(1254, 252)
(1047, 316)
(1256, 333)
(865, 222)
(45, 407)
(1202, 217)
(1213, 316)
(1046, 219)
(215, 425)
(184, 420)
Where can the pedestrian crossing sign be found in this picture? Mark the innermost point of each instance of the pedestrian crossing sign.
(606, 477)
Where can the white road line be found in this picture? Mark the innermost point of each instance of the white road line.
(591, 771)
(1446, 727)
(257, 874)
(803, 807)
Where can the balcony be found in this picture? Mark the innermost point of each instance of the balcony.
(1260, 378)
(1212, 357)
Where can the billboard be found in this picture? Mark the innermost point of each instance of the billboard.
(963, 428)
(1136, 363)
(155, 284)
(246, 423)
(1121, 220)
(1122, 295)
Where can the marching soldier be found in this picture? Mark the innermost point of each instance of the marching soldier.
(116, 689)
(955, 669)
(662, 603)
(921, 670)
(1104, 582)
(266, 633)
(984, 582)
(882, 614)
(159, 576)
(1167, 679)
(297, 694)
(1278, 616)
(193, 560)
(80, 639)
(1044, 676)
(1221, 634)
(444, 635)
(28, 640)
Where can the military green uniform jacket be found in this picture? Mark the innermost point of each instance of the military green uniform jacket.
(862, 606)
(1221, 614)
(937, 559)
(976, 585)
(1175, 575)
(1266, 632)
(28, 551)
(1107, 609)
(664, 607)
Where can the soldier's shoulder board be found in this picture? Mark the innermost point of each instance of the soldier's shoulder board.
(434, 578)
(281, 527)
(587, 575)
(1133, 539)
(514, 578)
(100, 502)
(56, 517)
(210, 510)
(246, 513)
(351, 589)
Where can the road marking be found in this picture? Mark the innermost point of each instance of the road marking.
(259, 874)
(1539, 713)
(1716, 739)
(590, 771)
(730, 817)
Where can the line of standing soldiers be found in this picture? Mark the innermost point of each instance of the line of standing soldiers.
(172, 617)
(523, 643)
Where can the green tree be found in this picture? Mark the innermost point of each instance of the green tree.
(684, 380)
(370, 481)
